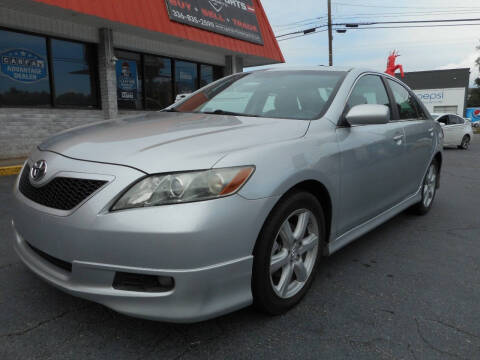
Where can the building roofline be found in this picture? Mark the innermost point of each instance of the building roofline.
(435, 71)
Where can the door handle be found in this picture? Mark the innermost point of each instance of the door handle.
(398, 137)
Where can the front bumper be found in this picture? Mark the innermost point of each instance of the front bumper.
(205, 246)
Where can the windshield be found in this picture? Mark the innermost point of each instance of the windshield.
(302, 95)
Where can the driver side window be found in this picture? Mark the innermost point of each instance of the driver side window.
(369, 90)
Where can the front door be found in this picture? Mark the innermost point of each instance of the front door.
(372, 160)
(419, 135)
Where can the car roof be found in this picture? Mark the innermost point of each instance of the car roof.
(306, 68)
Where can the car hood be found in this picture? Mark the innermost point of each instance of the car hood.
(161, 141)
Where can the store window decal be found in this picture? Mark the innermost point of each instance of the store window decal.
(23, 65)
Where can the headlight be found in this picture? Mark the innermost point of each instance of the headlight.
(184, 187)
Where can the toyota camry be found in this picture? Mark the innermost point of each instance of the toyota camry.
(230, 197)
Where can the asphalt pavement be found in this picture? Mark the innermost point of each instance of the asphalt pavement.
(409, 289)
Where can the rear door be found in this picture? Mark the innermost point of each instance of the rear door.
(372, 159)
(457, 126)
(419, 133)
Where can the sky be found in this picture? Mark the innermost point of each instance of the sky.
(420, 48)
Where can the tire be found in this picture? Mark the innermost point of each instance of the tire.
(271, 292)
(429, 190)
(465, 143)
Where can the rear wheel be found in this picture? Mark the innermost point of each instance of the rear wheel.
(465, 143)
(287, 253)
(429, 189)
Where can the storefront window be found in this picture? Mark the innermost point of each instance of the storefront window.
(73, 73)
(147, 81)
(206, 75)
(185, 77)
(24, 79)
(129, 80)
(158, 82)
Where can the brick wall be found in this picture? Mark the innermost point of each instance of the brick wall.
(23, 129)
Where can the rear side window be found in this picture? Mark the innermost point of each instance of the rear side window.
(369, 90)
(406, 104)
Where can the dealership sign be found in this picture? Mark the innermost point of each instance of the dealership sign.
(23, 65)
(234, 18)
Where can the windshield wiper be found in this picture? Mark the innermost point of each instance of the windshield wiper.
(170, 110)
(223, 112)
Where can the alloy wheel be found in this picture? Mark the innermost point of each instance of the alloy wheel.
(294, 253)
(465, 143)
(430, 185)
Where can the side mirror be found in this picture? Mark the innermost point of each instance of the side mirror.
(368, 114)
(442, 124)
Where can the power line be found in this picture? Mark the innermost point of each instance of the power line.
(302, 35)
(430, 13)
(300, 31)
(407, 7)
(413, 21)
(406, 26)
(300, 21)
(381, 27)
(297, 26)
(379, 23)
(389, 14)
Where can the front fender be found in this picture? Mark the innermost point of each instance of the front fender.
(282, 165)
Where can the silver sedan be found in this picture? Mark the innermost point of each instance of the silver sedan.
(230, 197)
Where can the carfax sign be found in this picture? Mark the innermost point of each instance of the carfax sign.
(234, 18)
(126, 80)
(23, 65)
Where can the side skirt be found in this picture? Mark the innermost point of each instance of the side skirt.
(362, 229)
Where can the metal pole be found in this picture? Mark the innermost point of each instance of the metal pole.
(330, 37)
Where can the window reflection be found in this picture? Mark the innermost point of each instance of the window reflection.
(158, 82)
(185, 77)
(206, 75)
(72, 70)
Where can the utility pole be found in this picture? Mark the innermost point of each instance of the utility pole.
(330, 36)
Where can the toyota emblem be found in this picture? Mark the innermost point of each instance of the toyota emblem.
(38, 170)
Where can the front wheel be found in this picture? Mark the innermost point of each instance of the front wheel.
(429, 189)
(287, 253)
(465, 143)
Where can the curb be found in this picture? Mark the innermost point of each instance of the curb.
(10, 170)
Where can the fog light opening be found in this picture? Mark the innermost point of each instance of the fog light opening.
(142, 282)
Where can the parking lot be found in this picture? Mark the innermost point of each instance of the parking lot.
(408, 290)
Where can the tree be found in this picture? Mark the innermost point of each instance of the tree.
(474, 93)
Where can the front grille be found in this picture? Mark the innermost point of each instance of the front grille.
(53, 260)
(61, 193)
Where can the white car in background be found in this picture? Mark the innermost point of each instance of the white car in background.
(457, 130)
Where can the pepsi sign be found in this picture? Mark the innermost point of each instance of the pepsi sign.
(473, 114)
(431, 96)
